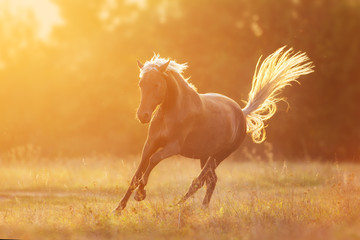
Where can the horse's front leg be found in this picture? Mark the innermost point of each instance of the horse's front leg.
(168, 150)
(150, 147)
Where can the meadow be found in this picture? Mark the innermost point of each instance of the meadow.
(64, 198)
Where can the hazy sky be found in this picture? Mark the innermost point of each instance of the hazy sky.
(46, 13)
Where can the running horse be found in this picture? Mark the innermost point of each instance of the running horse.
(207, 126)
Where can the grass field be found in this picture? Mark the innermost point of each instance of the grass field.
(73, 198)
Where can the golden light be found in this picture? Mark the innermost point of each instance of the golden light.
(45, 12)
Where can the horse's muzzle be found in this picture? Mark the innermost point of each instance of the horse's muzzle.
(144, 117)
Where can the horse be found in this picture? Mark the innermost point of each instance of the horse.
(210, 126)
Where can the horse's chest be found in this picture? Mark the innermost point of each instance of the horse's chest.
(169, 131)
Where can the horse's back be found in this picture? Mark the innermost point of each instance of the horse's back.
(218, 129)
(214, 101)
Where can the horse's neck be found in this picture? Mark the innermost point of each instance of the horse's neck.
(179, 96)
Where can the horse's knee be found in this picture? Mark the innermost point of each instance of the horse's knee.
(135, 181)
(140, 194)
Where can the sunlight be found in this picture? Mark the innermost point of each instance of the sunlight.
(46, 13)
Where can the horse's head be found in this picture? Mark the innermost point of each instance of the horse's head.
(153, 89)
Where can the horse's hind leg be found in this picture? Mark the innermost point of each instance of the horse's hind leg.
(211, 180)
(198, 182)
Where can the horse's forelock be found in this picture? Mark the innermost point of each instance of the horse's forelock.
(156, 61)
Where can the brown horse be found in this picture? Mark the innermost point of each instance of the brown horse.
(208, 126)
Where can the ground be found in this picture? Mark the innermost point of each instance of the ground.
(254, 199)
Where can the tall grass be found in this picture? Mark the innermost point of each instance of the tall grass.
(72, 199)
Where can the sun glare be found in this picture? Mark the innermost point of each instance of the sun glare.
(46, 13)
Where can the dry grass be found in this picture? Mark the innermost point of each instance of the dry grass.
(73, 198)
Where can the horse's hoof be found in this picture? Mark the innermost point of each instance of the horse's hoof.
(140, 195)
(118, 209)
(205, 206)
(116, 212)
(179, 203)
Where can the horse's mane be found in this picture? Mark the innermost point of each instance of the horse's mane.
(173, 67)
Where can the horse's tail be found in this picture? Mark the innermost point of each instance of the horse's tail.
(278, 70)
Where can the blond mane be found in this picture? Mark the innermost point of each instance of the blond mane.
(173, 67)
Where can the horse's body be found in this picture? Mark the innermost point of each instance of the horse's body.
(209, 126)
(204, 124)
(217, 130)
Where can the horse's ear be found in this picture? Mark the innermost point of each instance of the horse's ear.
(163, 67)
(140, 65)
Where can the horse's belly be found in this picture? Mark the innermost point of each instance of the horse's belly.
(206, 147)
(195, 150)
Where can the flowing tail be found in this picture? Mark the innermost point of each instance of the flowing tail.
(276, 72)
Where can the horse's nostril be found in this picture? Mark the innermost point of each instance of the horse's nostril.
(146, 116)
